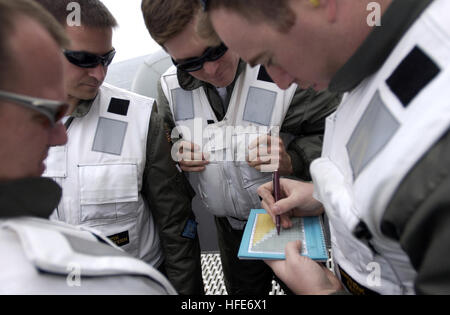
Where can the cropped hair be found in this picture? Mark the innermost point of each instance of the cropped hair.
(93, 13)
(276, 13)
(167, 18)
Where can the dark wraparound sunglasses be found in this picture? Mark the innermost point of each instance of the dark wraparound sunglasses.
(87, 60)
(196, 63)
(53, 110)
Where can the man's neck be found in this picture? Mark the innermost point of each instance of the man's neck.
(355, 33)
(73, 103)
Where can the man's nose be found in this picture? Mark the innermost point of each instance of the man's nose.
(99, 72)
(210, 67)
(280, 77)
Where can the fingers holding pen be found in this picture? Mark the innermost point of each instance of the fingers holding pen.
(296, 200)
(268, 203)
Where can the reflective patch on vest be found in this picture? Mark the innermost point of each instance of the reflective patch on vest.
(120, 239)
(259, 106)
(118, 106)
(109, 136)
(183, 104)
(375, 129)
(97, 249)
(190, 229)
(263, 75)
(415, 72)
(354, 287)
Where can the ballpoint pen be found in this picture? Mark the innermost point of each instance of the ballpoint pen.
(276, 195)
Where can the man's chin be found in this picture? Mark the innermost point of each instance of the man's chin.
(86, 94)
(221, 83)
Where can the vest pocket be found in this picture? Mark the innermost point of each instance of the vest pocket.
(108, 191)
(56, 162)
(251, 180)
(213, 187)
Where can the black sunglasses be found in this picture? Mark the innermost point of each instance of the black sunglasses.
(196, 63)
(53, 110)
(87, 60)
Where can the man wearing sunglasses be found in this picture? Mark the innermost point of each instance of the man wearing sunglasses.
(211, 85)
(29, 112)
(116, 171)
(39, 256)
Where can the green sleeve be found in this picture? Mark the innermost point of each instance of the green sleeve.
(169, 196)
(305, 120)
(418, 217)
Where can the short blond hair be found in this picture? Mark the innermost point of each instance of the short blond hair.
(167, 18)
(93, 12)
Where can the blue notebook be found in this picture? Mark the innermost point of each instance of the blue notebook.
(260, 239)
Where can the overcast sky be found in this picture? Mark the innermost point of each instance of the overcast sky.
(131, 38)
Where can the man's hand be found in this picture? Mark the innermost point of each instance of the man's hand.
(268, 153)
(303, 275)
(190, 157)
(297, 200)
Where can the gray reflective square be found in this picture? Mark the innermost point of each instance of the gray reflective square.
(183, 103)
(259, 106)
(109, 136)
(375, 129)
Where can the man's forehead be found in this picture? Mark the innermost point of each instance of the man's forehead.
(229, 25)
(94, 39)
(36, 60)
(186, 45)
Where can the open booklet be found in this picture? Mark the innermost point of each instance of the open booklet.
(261, 241)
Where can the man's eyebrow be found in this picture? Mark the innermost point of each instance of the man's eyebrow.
(256, 60)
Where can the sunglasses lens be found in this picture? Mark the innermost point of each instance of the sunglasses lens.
(191, 66)
(211, 54)
(81, 59)
(108, 58)
(88, 60)
(217, 52)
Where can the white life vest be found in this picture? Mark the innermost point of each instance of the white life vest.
(100, 170)
(378, 134)
(47, 257)
(228, 186)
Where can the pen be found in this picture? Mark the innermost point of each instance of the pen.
(276, 195)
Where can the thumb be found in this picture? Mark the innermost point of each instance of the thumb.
(293, 250)
(335, 282)
(284, 205)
